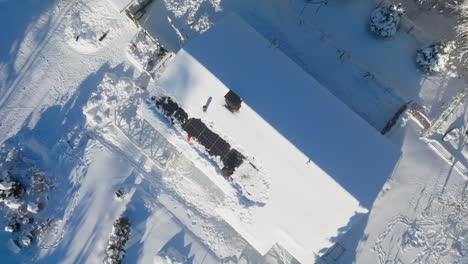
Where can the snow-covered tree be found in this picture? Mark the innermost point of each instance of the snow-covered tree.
(11, 192)
(433, 58)
(457, 11)
(385, 20)
(33, 207)
(12, 227)
(25, 240)
(115, 246)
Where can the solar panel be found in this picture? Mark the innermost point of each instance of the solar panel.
(172, 110)
(195, 128)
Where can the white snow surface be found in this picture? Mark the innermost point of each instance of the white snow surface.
(231, 55)
(46, 78)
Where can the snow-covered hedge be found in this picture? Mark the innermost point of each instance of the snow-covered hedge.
(385, 20)
(434, 57)
(23, 195)
(115, 246)
(11, 192)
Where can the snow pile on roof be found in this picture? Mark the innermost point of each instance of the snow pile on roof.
(385, 20)
(434, 57)
(338, 162)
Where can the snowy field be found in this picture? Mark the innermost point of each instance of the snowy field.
(74, 104)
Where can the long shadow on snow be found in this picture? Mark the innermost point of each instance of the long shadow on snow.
(18, 17)
(332, 167)
(58, 142)
(265, 26)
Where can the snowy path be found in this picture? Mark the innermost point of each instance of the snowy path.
(427, 225)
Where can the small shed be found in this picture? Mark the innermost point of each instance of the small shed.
(233, 101)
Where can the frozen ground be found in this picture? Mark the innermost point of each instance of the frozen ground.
(59, 98)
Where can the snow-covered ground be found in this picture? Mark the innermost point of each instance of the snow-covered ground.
(61, 95)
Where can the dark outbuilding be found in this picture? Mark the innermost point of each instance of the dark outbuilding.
(233, 101)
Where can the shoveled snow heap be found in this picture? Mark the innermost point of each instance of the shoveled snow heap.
(434, 57)
(385, 20)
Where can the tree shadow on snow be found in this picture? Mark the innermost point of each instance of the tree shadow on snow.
(18, 18)
(57, 142)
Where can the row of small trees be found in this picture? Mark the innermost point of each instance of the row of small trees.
(385, 21)
(21, 187)
(115, 250)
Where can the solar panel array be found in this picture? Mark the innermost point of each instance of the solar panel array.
(196, 129)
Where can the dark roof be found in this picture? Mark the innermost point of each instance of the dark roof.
(233, 98)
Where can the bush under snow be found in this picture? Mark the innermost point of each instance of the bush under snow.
(33, 208)
(385, 20)
(434, 57)
(25, 240)
(11, 192)
(115, 246)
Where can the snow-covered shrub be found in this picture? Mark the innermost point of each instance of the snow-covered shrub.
(11, 191)
(385, 20)
(25, 240)
(12, 227)
(115, 246)
(434, 57)
(33, 207)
